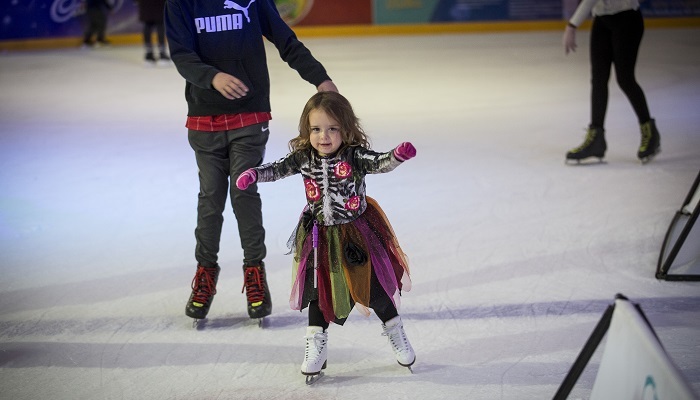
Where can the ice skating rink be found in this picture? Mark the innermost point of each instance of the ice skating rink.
(514, 254)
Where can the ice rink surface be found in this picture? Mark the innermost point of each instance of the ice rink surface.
(514, 254)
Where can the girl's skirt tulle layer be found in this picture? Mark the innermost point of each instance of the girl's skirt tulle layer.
(346, 256)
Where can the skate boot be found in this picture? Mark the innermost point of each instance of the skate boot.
(256, 290)
(393, 329)
(651, 142)
(203, 291)
(593, 146)
(149, 60)
(163, 60)
(316, 354)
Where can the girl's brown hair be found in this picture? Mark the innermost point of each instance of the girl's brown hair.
(338, 108)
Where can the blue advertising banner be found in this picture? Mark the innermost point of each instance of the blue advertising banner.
(426, 11)
(472, 10)
(45, 19)
(670, 8)
(422, 11)
(60, 18)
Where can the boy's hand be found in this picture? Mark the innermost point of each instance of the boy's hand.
(229, 86)
(327, 86)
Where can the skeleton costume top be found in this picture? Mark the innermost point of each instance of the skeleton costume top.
(355, 237)
(335, 186)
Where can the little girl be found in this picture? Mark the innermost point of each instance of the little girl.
(345, 251)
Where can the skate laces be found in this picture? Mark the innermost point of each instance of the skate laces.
(590, 136)
(253, 285)
(203, 285)
(646, 136)
(397, 338)
(314, 345)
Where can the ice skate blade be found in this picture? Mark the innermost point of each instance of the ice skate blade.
(199, 323)
(311, 379)
(585, 161)
(409, 366)
(259, 314)
(649, 158)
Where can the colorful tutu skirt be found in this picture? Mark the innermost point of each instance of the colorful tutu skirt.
(349, 257)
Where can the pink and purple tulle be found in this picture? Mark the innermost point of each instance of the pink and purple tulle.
(347, 255)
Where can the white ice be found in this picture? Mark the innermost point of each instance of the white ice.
(514, 254)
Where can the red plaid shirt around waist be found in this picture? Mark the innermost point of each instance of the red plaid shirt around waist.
(226, 122)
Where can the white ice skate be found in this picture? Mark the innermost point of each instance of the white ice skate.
(393, 329)
(316, 353)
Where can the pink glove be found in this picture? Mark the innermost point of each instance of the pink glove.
(404, 151)
(247, 178)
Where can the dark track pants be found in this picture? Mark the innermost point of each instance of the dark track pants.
(221, 155)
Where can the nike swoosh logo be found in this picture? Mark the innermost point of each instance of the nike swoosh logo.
(265, 129)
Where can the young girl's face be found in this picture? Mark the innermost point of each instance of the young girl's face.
(325, 135)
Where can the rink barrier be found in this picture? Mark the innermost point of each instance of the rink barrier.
(679, 259)
(368, 30)
(634, 364)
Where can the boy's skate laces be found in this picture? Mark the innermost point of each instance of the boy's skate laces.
(253, 286)
(203, 285)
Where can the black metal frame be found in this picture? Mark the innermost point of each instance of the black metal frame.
(664, 265)
(591, 345)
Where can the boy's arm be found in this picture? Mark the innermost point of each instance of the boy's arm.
(291, 50)
(181, 41)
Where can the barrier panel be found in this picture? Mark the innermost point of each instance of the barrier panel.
(679, 259)
(634, 364)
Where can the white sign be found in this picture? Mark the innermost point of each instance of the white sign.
(634, 366)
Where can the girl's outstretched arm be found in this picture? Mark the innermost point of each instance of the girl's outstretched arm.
(270, 172)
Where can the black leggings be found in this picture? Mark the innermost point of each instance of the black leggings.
(148, 28)
(615, 40)
(379, 302)
(95, 25)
